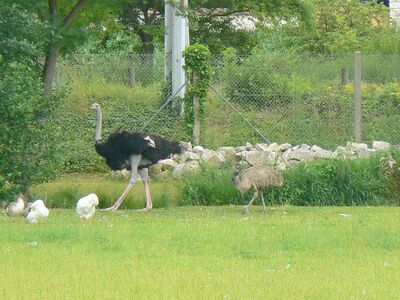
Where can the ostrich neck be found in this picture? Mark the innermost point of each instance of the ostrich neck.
(99, 119)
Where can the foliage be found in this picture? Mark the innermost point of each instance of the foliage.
(21, 41)
(317, 183)
(27, 135)
(197, 63)
(211, 186)
(219, 24)
(336, 27)
(340, 182)
(28, 151)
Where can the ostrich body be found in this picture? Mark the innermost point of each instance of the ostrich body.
(86, 206)
(134, 151)
(257, 178)
(17, 208)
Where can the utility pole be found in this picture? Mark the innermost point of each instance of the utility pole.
(176, 40)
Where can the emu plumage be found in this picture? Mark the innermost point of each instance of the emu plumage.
(257, 178)
(134, 151)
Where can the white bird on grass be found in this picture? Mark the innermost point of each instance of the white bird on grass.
(38, 212)
(86, 206)
(17, 208)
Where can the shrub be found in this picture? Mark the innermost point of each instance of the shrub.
(317, 183)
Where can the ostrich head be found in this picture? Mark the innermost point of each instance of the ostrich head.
(150, 141)
(96, 108)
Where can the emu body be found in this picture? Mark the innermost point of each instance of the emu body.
(257, 178)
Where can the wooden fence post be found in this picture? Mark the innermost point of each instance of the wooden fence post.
(131, 77)
(345, 76)
(357, 97)
(196, 112)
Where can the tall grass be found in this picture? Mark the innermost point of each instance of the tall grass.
(65, 192)
(319, 182)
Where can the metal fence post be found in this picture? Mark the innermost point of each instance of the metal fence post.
(357, 97)
(196, 111)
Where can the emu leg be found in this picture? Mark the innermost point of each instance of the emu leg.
(145, 178)
(263, 202)
(246, 209)
(134, 160)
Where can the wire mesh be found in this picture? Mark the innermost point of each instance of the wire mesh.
(289, 99)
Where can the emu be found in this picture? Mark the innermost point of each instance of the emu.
(258, 178)
(134, 151)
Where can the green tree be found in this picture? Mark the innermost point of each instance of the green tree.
(334, 27)
(27, 139)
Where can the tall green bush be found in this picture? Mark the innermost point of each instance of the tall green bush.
(28, 137)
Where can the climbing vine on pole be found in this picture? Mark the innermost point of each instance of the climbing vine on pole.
(198, 72)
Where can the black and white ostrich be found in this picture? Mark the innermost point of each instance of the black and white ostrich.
(134, 151)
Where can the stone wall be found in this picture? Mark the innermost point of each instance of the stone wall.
(281, 156)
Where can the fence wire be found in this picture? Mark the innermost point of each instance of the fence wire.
(289, 99)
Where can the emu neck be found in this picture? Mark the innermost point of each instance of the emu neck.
(99, 119)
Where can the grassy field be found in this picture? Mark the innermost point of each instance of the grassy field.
(204, 253)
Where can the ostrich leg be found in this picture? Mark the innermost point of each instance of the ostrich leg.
(145, 178)
(246, 208)
(134, 159)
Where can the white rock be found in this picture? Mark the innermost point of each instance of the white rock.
(184, 168)
(156, 168)
(300, 154)
(182, 157)
(274, 147)
(168, 164)
(199, 150)
(343, 152)
(305, 147)
(261, 147)
(357, 147)
(187, 146)
(285, 147)
(249, 147)
(380, 146)
(193, 156)
(227, 152)
(318, 152)
(240, 148)
(260, 157)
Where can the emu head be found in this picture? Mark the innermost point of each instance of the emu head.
(236, 171)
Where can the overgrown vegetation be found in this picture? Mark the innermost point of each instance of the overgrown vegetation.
(198, 68)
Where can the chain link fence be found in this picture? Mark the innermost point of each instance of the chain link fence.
(289, 99)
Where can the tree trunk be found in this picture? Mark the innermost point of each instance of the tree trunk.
(49, 68)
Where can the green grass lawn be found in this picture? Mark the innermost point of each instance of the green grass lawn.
(204, 253)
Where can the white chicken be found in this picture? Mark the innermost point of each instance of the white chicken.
(86, 206)
(17, 208)
(38, 212)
